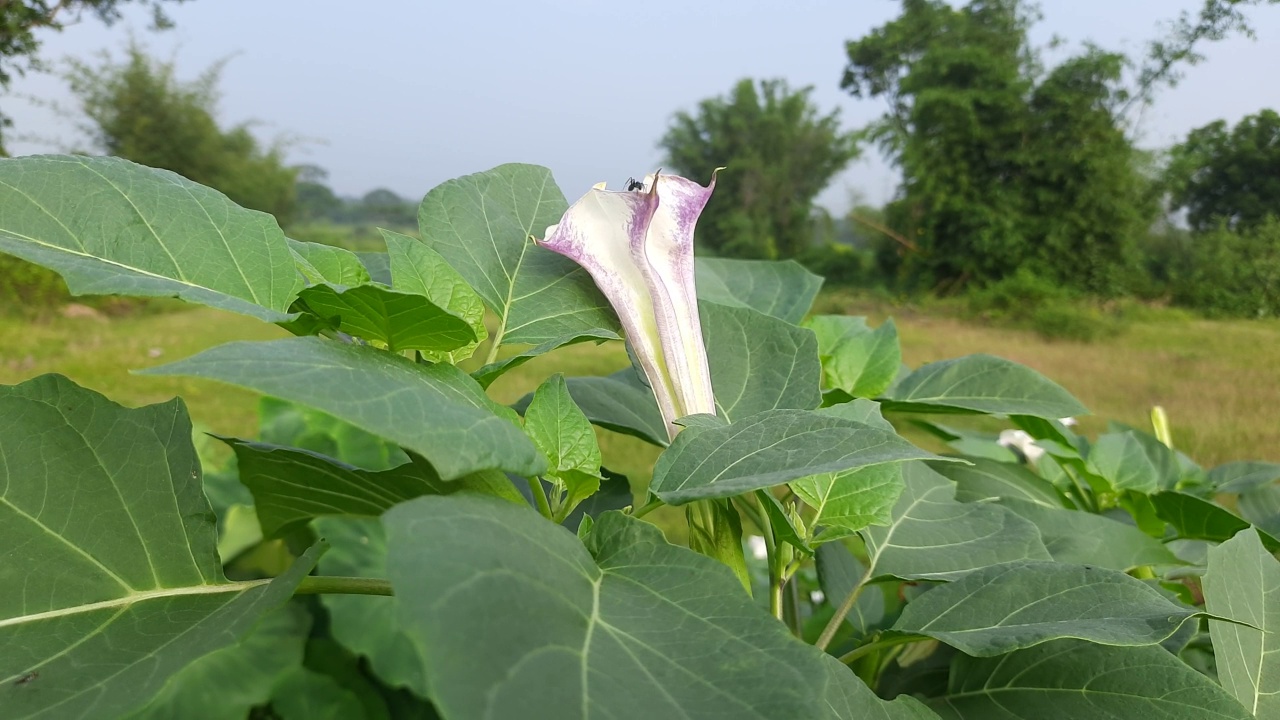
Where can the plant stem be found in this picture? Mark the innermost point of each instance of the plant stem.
(647, 508)
(881, 644)
(540, 497)
(492, 357)
(771, 555)
(330, 585)
(841, 612)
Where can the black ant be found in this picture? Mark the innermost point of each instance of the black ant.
(634, 184)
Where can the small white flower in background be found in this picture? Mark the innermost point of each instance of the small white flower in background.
(638, 247)
(1069, 422)
(817, 597)
(759, 550)
(1023, 443)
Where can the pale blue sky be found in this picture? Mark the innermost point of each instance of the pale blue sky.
(408, 94)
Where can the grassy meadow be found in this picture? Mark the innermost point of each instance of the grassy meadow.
(1218, 380)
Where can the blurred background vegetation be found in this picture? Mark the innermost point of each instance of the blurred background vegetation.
(1025, 210)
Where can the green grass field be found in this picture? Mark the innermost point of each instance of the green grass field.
(1217, 379)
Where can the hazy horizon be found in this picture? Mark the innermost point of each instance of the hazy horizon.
(418, 93)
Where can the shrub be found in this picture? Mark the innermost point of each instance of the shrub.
(1234, 273)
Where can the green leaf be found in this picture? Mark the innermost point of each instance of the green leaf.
(291, 487)
(436, 411)
(284, 423)
(856, 359)
(1134, 461)
(1261, 507)
(379, 266)
(487, 374)
(1239, 477)
(416, 268)
(151, 233)
(620, 402)
(307, 695)
(995, 610)
(784, 290)
(121, 588)
(838, 573)
(1082, 538)
(482, 224)
(851, 500)
(398, 320)
(983, 384)
(227, 683)
(770, 448)
(364, 624)
(1199, 519)
(592, 635)
(759, 362)
(1243, 584)
(860, 410)
(933, 537)
(784, 528)
(560, 430)
(1073, 679)
(985, 479)
(715, 530)
(848, 698)
(326, 263)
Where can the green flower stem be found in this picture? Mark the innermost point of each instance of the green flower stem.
(771, 553)
(540, 497)
(843, 611)
(331, 585)
(879, 644)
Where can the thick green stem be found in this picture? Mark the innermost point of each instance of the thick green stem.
(647, 508)
(492, 357)
(775, 569)
(329, 585)
(540, 497)
(841, 612)
(881, 644)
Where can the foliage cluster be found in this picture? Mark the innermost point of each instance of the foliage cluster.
(517, 576)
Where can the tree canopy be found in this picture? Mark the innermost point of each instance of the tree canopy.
(1228, 175)
(139, 110)
(779, 151)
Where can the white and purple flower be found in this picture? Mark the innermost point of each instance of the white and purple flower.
(638, 247)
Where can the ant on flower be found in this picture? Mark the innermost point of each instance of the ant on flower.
(634, 184)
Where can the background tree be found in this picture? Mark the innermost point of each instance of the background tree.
(20, 20)
(1006, 164)
(780, 152)
(1228, 175)
(137, 109)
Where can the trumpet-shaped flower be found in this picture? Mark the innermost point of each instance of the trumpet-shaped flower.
(638, 247)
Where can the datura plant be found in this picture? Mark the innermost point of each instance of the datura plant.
(416, 531)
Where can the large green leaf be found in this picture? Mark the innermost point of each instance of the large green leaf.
(364, 624)
(326, 263)
(482, 225)
(620, 402)
(436, 411)
(985, 479)
(856, 360)
(848, 698)
(397, 320)
(111, 227)
(784, 289)
(307, 695)
(758, 362)
(226, 684)
(1243, 584)
(1200, 519)
(934, 537)
(1082, 538)
(1239, 477)
(1134, 461)
(1073, 680)
(494, 370)
(565, 436)
(291, 487)
(984, 384)
(416, 268)
(849, 501)
(107, 549)
(1008, 607)
(628, 627)
(771, 448)
(1261, 507)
